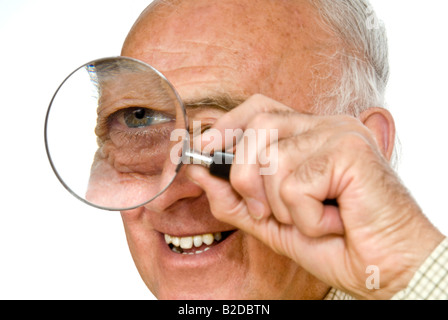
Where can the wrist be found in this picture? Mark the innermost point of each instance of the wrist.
(413, 250)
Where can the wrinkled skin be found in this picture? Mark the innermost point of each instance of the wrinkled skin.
(288, 243)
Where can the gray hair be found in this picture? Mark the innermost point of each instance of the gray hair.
(102, 69)
(363, 60)
(362, 57)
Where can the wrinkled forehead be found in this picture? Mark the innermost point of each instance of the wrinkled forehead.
(236, 18)
(184, 33)
(227, 45)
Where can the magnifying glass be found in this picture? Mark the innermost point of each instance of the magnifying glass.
(117, 134)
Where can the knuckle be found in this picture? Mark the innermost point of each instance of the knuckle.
(260, 120)
(313, 168)
(239, 178)
(348, 120)
(356, 141)
(265, 104)
(311, 230)
(289, 192)
(302, 143)
(284, 217)
(257, 98)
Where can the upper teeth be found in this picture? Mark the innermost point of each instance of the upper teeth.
(197, 241)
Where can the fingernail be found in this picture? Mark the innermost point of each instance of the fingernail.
(256, 208)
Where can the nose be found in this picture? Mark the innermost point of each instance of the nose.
(180, 188)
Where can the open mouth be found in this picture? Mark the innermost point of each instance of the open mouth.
(196, 244)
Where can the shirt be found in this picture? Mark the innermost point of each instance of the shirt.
(430, 282)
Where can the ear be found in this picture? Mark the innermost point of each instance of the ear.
(382, 125)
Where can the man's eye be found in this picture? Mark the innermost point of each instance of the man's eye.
(143, 117)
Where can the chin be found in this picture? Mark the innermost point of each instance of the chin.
(193, 294)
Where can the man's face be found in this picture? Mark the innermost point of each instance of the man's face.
(215, 54)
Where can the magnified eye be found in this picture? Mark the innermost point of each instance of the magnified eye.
(143, 117)
(135, 126)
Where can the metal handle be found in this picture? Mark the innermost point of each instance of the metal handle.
(219, 163)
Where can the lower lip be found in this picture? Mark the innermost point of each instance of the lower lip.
(171, 260)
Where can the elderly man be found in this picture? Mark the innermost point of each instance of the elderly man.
(334, 220)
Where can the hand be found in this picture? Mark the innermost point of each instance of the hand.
(373, 221)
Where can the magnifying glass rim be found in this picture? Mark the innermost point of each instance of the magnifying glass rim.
(185, 142)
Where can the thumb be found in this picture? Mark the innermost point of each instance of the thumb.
(225, 203)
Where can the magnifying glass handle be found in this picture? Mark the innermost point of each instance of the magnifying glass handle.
(218, 164)
(220, 167)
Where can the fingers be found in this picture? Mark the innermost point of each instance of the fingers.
(259, 123)
(292, 146)
(304, 193)
(247, 111)
(316, 159)
(258, 112)
(225, 203)
(228, 206)
(258, 175)
(221, 195)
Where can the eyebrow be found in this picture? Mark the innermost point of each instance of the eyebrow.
(224, 102)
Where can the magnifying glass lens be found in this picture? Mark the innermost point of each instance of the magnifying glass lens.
(109, 132)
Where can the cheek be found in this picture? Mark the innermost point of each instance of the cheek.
(272, 275)
(137, 151)
(134, 159)
(130, 171)
(114, 184)
(140, 238)
(278, 277)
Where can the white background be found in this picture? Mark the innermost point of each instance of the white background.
(52, 246)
